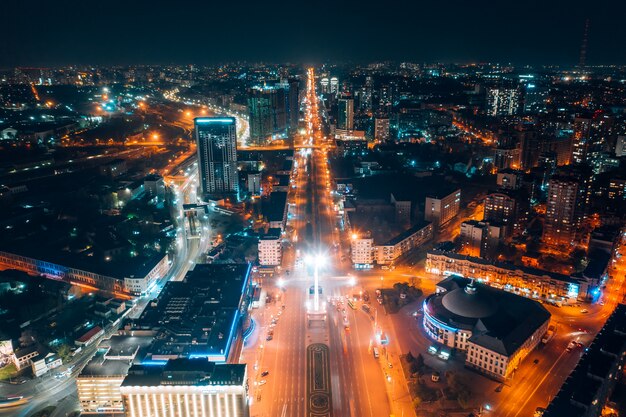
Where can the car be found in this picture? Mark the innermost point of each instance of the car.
(435, 376)
(584, 311)
(262, 382)
(268, 338)
(389, 364)
(536, 361)
(539, 411)
(265, 373)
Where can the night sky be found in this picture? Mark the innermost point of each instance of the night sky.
(58, 32)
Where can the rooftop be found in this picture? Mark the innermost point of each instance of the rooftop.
(195, 372)
(499, 320)
(199, 315)
(504, 265)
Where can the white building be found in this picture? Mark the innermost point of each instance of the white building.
(365, 252)
(186, 388)
(270, 248)
(362, 251)
(99, 382)
(496, 328)
(441, 207)
(141, 283)
(254, 183)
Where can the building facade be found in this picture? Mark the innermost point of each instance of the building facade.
(216, 138)
(529, 282)
(497, 329)
(440, 208)
(270, 248)
(345, 115)
(186, 388)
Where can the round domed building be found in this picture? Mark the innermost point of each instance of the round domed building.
(496, 328)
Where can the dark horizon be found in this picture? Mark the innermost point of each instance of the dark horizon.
(117, 33)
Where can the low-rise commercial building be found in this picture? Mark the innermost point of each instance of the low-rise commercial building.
(364, 250)
(406, 241)
(132, 279)
(98, 383)
(199, 317)
(187, 388)
(526, 281)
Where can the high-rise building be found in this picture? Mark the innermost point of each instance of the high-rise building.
(334, 85)
(254, 183)
(381, 129)
(186, 388)
(620, 146)
(502, 101)
(216, 138)
(325, 85)
(345, 114)
(267, 108)
(293, 104)
(566, 206)
(535, 98)
(592, 136)
(505, 209)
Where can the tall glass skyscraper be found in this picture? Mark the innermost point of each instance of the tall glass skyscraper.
(216, 138)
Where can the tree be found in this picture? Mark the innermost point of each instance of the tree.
(64, 352)
(419, 361)
(409, 357)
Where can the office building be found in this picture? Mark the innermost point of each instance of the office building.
(381, 129)
(268, 118)
(186, 388)
(345, 113)
(270, 248)
(496, 329)
(502, 101)
(216, 138)
(442, 206)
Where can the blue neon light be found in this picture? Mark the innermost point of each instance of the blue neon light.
(214, 120)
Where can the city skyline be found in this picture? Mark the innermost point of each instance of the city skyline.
(272, 209)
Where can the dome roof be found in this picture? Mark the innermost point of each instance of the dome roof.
(469, 302)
